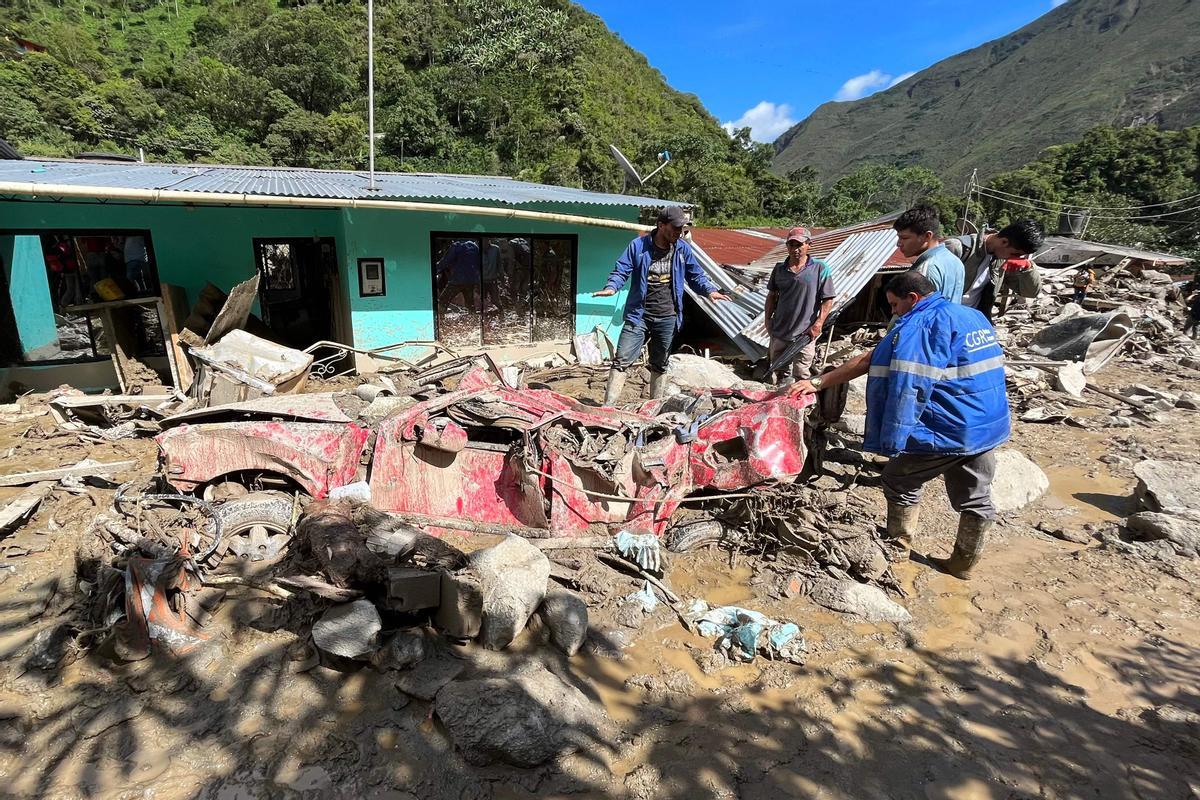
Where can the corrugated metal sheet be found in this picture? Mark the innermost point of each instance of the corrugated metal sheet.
(344, 185)
(1100, 248)
(731, 246)
(856, 259)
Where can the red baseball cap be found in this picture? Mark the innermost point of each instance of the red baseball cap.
(799, 235)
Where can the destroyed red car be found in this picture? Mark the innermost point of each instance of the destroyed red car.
(529, 460)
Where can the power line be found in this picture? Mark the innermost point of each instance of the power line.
(1100, 208)
(1037, 206)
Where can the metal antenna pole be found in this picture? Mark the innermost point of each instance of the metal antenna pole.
(371, 89)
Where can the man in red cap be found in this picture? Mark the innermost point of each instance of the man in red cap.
(800, 296)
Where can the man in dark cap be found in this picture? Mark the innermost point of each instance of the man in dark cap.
(656, 266)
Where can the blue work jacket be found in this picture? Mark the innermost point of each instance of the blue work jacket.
(936, 384)
(634, 266)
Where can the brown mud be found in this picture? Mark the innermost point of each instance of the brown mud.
(1062, 670)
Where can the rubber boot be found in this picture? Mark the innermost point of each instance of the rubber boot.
(901, 525)
(616, 382)
(658, 385)
(968, 546)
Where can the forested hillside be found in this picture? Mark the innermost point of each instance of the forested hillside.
(536, 89)
(995, 107)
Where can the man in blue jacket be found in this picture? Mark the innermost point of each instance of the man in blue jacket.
(656, 266)
(936, 405)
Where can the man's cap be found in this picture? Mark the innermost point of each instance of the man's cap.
(674, 216)
(799, 235)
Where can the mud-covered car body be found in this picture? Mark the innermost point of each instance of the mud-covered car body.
(526, 458)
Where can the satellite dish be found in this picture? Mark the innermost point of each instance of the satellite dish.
(631, 171)
(626, 166)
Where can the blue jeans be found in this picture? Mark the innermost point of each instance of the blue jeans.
(660, 332)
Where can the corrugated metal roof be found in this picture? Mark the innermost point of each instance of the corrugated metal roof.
(826, 242)
(732, 246)
(335, 184)
(1100, 248)
(858, 256)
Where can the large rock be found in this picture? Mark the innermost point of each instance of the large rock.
(1181, 529)
(565, 615)
(860, 599)
(513, 577)
(698, 372)
(1018, 481)
(348, 630)
(1168, 485)
(523, 719)
(1070, 379)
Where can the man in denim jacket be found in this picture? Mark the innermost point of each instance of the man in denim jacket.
(936, 405)
(656, 266)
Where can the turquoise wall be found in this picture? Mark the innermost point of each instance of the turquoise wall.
(402, 239)
(198, 244)
(29, 287)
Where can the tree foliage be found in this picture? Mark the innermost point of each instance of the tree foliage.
(1141, 186)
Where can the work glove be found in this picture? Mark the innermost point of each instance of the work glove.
(640, 548)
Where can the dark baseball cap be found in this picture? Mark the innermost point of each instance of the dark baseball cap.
(673, 215)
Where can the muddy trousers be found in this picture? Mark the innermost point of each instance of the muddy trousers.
(802, 364)
(658, 332)
(968, 480)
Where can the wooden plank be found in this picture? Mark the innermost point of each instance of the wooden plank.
(24, 504)
(174, 311)
(108, 305)
(77, 471)
(110, 333)
(172, 361)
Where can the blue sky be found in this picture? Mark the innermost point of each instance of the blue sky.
(769, 63)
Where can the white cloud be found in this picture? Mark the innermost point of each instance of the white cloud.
(766, 121)
(869, 83)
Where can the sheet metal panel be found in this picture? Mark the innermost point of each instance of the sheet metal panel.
(333, 184)
(854, 262)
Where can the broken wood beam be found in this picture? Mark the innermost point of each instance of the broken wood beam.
(469, 526)
(77, 471)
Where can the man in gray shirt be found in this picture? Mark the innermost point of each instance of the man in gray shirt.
(800, 296)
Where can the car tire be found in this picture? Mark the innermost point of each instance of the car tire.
(257, 526)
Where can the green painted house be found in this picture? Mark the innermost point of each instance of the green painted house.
(471, 261)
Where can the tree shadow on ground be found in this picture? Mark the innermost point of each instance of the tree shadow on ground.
(248, 717)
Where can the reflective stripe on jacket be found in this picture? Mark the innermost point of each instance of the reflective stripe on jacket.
(936, 384)
(634, 266)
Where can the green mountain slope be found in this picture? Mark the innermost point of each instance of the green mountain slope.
(535, 89)
(1086, 63)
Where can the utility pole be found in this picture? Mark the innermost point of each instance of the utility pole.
(371, 89)
(967, 200)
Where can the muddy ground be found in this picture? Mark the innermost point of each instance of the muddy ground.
(1062, 670)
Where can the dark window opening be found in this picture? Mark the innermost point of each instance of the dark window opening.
(503, 289)
(54, 282)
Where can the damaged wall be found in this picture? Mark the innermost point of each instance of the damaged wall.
(193, 245)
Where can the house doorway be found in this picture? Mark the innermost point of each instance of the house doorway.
(298, 289)
(503, 289)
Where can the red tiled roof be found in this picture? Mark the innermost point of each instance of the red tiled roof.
(731, 246)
